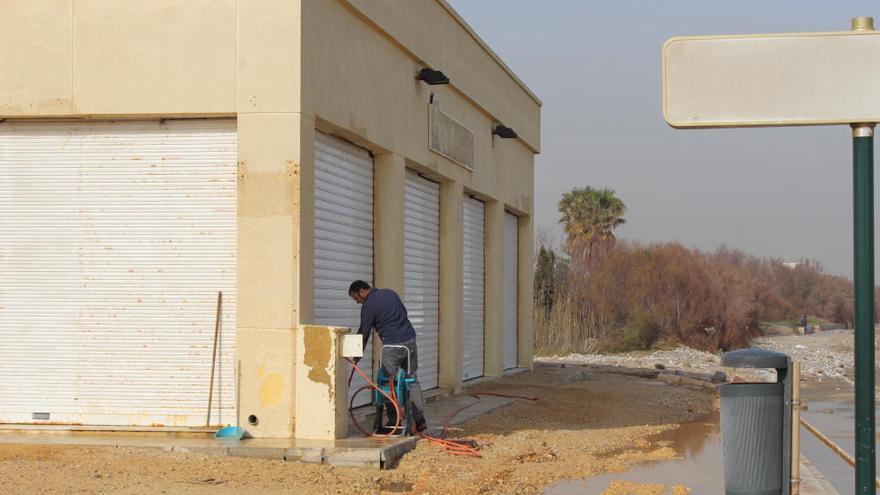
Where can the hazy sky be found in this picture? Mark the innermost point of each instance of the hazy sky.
(784, 192)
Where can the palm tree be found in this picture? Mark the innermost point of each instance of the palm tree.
(590, 216)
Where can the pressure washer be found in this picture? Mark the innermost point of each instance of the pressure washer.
(391, 398)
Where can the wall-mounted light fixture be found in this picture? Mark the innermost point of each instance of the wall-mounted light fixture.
(504, 132)
(432, 77)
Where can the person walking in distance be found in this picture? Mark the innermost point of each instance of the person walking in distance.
(383, 310)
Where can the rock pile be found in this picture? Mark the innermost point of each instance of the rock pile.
(681, 358)
(826, 354)
(819, 356)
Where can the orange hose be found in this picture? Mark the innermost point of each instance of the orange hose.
(373, 385)
(456, 447)
(451, 446)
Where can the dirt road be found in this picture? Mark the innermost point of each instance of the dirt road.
(596, 423)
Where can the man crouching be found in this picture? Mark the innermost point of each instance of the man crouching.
(383, 310)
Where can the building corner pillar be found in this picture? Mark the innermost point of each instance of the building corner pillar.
(494, 297)
(451, 259)
(389, 186)
(270, 166)
(525, 302)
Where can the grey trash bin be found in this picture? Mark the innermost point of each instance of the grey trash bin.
(755, 419)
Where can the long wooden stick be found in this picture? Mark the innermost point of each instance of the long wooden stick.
(830, 443)
(214, 355)
(833, 446)
(238, 394)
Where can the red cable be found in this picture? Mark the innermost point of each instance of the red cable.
(351, 404)
(477, 396)
(351, 410)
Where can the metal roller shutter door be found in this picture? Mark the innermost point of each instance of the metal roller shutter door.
(474, 287)
(114, 240)
(343, 237)
(422, 271)
(511, 282)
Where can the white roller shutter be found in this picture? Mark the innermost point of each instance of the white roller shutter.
(422, 271)
(343, 237)
(511, 282)
(474, 287)
(114, 240)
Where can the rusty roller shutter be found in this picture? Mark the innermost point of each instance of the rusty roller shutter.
(114, 240)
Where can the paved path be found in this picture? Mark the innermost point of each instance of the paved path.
(812, 481)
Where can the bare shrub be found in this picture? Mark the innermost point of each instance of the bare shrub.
(644, 296)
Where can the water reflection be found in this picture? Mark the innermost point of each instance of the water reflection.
(837, 422)
(698, 443)
(828, 407)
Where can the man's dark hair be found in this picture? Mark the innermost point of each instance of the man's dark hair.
(357, 286)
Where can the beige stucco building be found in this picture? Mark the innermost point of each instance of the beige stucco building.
(153, 154)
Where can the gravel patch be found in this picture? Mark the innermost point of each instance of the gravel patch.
(822, 355)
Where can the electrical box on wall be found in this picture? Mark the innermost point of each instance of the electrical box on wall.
(352, 345)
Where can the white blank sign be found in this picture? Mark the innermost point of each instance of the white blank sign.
(772, 79)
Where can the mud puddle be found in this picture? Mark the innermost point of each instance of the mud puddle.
(698, 469)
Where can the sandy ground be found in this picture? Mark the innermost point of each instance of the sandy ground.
(629, 488)
(602, 423)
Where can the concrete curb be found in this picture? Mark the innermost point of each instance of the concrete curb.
(391, 455)
(201, 450)
(276, 453)
(378, 458)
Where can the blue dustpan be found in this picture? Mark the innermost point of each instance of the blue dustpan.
(229, 433)
(233, 432)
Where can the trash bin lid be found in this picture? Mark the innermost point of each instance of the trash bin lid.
(754, 358)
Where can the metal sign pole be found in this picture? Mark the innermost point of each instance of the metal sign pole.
(863, 280)
(863, 276)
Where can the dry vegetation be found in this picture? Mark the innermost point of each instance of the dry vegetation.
(644, 296)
